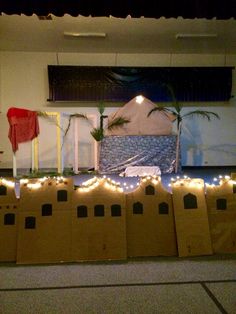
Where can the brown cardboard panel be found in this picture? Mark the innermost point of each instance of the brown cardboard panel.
(150, 220)
(191, 219)
(225, 186)
(223, 231)
(44, 239)
(98, 224)
(221, 203)
(98, 238)
(35, 193)
(7, 191)
(8, 232)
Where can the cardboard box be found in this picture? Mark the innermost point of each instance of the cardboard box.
(150, 220)
(44, 238)
(36, 192)
(98, 222)
(8, 232)
(221, 204)
(7, 191)
(191, 219)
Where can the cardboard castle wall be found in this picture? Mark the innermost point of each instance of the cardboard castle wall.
(221, 203)
(191, 220)
(150, 220)
(53, 222)
(98, 222)
(8, 220)
(44, 232)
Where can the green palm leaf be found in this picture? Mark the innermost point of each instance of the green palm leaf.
(97, 134)
(202, 113)
(74, 115)
(117, 122)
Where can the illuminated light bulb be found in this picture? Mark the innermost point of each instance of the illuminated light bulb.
(104, 176)
(220, 176)
(131, 186)
(120, 190)
(124, 183)
(227, 177)
(23, 181)
(172, 179)
(138, 184)
(148, 177)
(169, 184)
(126, 187)
(215, 179)
(177, 177)
(34, 186)
(139, 99)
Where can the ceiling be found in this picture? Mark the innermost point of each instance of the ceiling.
(123, 35)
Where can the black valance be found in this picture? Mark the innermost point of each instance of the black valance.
(120, 84)
(220, 9)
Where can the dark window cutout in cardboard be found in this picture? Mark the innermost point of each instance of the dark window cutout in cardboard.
(190, 201)
(221, 204)
(9, 219)
(234, 188)
(62, 196)
(82, 211)
(99, 210)
(47, 210)
(138, 208)
(3, 190)
(115, 210)
(163, 208)
(30, 222)
(150, 190)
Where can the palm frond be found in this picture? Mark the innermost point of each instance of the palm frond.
(175, 102)
(202, 113)
(45, 115)
(158, 108)
(74, 115)
(101, 108)
(117, 122)
(97, 134)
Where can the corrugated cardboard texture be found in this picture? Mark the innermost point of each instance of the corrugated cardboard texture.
(221, 204)
(98, 227)
(191, 220)
(150, 220)
(8, 232)
(7, 191)
(50, 191)
(44, 239)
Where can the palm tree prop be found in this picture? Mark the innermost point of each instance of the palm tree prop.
(177, 112)
(98, 133)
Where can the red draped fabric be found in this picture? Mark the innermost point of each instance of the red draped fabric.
(24, 126)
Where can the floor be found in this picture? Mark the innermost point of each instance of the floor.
(149, 285)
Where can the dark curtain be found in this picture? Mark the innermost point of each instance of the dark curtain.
(120, 84)
(136, 8)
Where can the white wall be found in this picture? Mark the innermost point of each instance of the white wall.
(24, 84)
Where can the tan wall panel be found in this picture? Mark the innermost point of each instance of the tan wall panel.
(192, 228)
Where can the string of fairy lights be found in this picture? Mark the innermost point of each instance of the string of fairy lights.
(117, 186)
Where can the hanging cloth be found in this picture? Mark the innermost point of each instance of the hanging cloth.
(24, 126)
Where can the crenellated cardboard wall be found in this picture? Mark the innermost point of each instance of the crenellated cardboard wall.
(221, 204)
(191, 221)
(98, 221)
(44, 232)
(53, 221)
(9, 207)
(150, 220)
